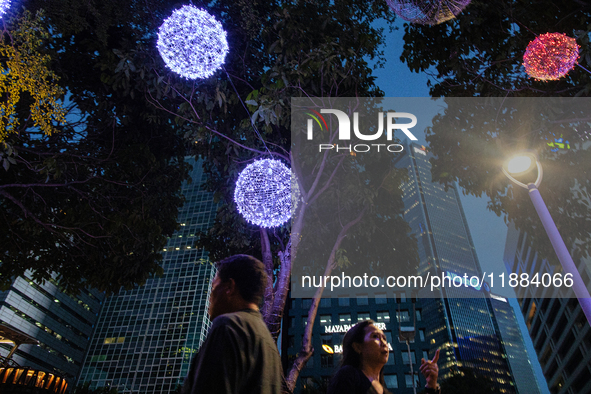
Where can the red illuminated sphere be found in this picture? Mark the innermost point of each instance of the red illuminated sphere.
(550, 56)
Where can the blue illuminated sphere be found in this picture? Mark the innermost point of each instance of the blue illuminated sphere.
(192, 43)
(4, 6)
(263, 193)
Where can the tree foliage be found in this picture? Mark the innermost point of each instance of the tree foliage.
(480, 54)
(24, 72)
(96, 201)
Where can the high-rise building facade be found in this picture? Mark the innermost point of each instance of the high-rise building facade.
(557, 326)
(513, 345)
(460, 320)
(62, 323)
(335, 317)
(464, 323)
(146, 337)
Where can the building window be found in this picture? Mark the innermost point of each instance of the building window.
(344, 318)
(391, 381)
(362, 300)
(418, 314)
(326, 360)
(402, 317)
(383, 317)
(326, 339)
(408, 379)
(343, 301)
(361, 316)
(402, 297)
(304, 321)
(325, 302)
(405, 357)
(325, 320)
(426, 355)
(381, 298)
(113, 340)
(306, 303)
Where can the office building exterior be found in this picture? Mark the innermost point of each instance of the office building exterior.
(460, 321)
(513, 345)
(146, 337)
(335, 316)
(62, 323)
(557, 326)
(464, 323)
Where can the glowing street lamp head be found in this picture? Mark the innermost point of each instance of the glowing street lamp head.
(520, 164)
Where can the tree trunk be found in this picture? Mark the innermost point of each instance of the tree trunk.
(307, 351)
(267, 308)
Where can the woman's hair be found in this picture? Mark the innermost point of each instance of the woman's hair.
(356, 334)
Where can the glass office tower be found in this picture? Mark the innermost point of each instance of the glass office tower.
(460, 321)
(146, 337)
(514, 346)
(62, 323)
(470, 329)
(557, 326)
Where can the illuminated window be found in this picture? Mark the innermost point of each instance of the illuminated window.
(383, 317)
(361, 316)
(325, 320)
(345, 318)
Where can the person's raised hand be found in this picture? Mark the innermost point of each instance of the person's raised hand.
(430, 370)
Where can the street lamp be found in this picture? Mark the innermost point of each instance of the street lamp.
(521, 164)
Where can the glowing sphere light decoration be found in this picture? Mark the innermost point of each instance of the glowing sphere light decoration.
(550, 56)
(192, 43)
(4, 5)
(263, 193)
(427, 12)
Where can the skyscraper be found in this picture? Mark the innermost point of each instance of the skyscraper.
(513, 345)
(460, 320)
(557, 326)
(145, 337)
(61, 323)
(470, 329)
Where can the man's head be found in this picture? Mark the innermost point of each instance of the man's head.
(239, 284)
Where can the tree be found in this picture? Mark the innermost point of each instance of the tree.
(96, 200)
(303, 49)
(480, 54)
(27, 73)
(278, 50)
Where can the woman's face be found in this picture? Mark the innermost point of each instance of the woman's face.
(374, 348)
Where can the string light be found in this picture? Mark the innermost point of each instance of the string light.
(263, 193)
(192, 43)
(4, 6)
(427, 12)
(550, 56)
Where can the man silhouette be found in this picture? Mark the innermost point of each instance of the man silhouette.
(239, 355)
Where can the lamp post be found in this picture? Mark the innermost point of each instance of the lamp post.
(522, 163)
